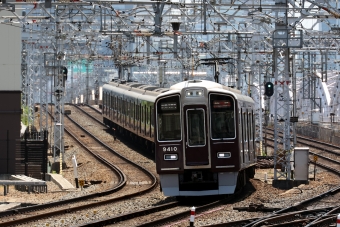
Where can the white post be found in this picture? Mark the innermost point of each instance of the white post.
(75, 172)
(192, 216)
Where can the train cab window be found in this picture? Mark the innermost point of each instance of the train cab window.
(168, 119)
(196, 131)
(222, 116)
(152, 116)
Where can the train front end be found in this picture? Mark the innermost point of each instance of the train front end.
(196, 140)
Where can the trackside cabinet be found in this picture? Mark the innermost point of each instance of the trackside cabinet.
(301, 163)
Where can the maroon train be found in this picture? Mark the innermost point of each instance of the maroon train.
(203, 133)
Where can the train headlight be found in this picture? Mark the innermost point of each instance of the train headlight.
(170, 157)
(194, 93)
(223, 155)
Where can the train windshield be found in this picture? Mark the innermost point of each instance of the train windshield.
(222, 116)
(196, 132)
(168, 119)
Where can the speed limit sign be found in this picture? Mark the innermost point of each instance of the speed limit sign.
(81, 183)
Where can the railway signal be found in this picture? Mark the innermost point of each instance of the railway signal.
(269, 89)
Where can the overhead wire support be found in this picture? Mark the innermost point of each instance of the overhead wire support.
(59, 94)
(283, 40)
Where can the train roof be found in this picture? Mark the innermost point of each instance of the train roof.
(133, 89)
(150, 92)
(210, 86)
(202, 83)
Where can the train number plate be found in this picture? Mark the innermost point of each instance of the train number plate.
(169, 149)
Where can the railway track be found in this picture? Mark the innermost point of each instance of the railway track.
(69, 206)
(328, 155)
(153, 216)
(156, 218)
(305, 213)
(299, 217)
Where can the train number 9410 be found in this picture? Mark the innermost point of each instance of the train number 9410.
(169, 149)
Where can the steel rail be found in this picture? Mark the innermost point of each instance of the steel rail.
(81, 198)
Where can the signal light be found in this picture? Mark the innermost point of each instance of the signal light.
(269, 89)
(63, 70)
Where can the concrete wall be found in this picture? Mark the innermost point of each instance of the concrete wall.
(325, 132)
(10, 111)
(10, 94)
(10, 56)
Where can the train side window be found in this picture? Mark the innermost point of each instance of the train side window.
(241, 128)
(115, 103)
(105, 97)
(137, 112)
(222, 116)
(244, 124)
(249, 130)
(107, 103)
(112, 102)
(124, 106)
(131, 109)
(142, 114)
(152, 116)
(250, 127)
(254, 129)
(113, 98)
(104, 101)
(121, 105)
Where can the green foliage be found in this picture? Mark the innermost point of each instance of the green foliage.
(24, 118)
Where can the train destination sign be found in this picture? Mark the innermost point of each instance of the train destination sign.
(221, 104)
(169, 106)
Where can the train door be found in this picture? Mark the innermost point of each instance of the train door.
(114, 107)
(251, 138)
(145, 118)
(249, 141)
(245, 137)
(110, 108)
(134, 115)
(128, 114)
(195, 126)
(241, 135)
(140, 118)
(151, 122)
(109, 100)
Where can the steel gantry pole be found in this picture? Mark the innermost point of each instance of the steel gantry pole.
(27, 74)
(45, 50)
(24, 74)
(59, 89)
(283, 40)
